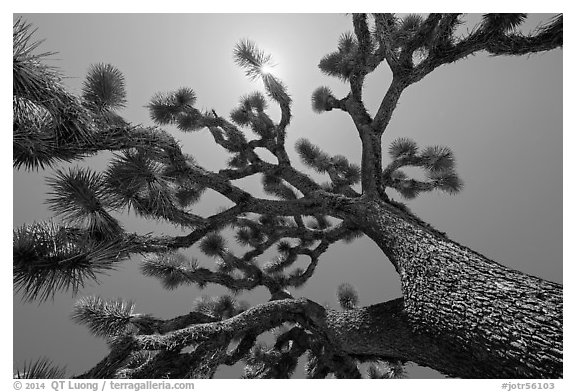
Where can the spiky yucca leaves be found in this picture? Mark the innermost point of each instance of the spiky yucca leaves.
(312, 155)
(129, 175)
(136, 180)
(221, 307)
(437, 161)
(172, 268)
(250, 110)
(42, 368)
(80, 197)
(340, 63)
(265, 362)
(352, 235)
(104, 318)
(402, 147)
(322, 99)
(244, 236)
(188, 194)
(240, 116)
(341, 171)
(255, 101)
(406, 28)
(251, 59)
(104, 87)
(213, 245)
(446, 181)
(177, 108)
(258, 121)
(49, 258)
(349, 173)
(255, 62)
(347, 296)
(33, 142)
(34, 82)
(284, 247)
(502, 23)
(276, 89)
(274, 185)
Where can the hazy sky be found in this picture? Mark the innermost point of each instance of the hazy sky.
(501, 116)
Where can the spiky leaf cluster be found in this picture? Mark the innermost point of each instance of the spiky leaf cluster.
(213, 245)
(322, 99)
(254, 62)
(33, 143)
(105, 318)
(258, 121)
(313, 156)
(176, 108)
(172, 268)
(437, 161)
(255, 101)
(188, 194)
(402, 147)
(135, 180)
(41, 368)
(79, 197)
(276, 89)
(406, 28)
(221, 307)
(341, 62)
(341, 171)
(347, 173)
(104, 87)
(269, 362)
(502, 23)
(250, 113)
(49, 258)
(347, 296)
(274, 185)
(250, 58)
(38, 85)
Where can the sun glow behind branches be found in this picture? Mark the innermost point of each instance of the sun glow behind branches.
(267, 69)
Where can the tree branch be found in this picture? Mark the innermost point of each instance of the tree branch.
(494, 42)
(384, 29)
(388, 104)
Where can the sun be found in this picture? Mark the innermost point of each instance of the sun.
(266, 69)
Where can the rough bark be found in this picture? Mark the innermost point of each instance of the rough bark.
(464, 315)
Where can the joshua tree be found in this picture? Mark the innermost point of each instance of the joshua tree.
(460, 313)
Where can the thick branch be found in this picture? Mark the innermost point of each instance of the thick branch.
(388, 104)
(385, 27)
(361, 57)
(256, 320)
(494, 42)
(510, 323)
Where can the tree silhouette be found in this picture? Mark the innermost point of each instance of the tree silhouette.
(460, 313)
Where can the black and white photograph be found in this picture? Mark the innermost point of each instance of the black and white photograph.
(287, 196)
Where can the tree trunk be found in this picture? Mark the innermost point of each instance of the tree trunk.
(461, 313)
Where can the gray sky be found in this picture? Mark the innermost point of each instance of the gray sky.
(501, 116)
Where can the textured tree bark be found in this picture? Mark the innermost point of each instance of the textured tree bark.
(466, 315)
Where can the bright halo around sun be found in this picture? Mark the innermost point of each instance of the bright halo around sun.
(267, 69)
